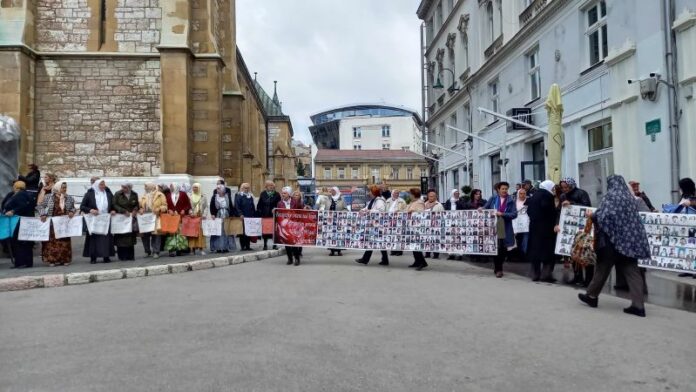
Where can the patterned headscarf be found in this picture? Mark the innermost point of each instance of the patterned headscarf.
(618, 218)
(570, 181)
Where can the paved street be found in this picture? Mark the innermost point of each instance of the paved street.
(333, 325)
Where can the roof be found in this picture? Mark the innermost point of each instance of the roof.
(423, 8)
(357, 110)
(270, 105)
(327, 155)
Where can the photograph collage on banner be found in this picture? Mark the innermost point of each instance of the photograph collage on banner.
(573, 221)
(672, 239)
(465, 232)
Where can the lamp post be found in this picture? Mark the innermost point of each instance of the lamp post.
(438, 84)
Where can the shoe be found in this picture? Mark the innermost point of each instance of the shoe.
(289, 262)
(460, 258)
(155, 256)
(591, 302)
(148, 255)
(685, 275)
(420, 267)
(297, 261)
(436, 257)
(339, 253)
(93, 261)
(275, 247)
(535, 278)
(499, 274)
(361, 261)
(202, 252)
(332, 253)
(107, 260)
(172, 254)
(265, 247)
(383, 262)
(549, 280)
(451, 257)
(635, 311)
(414, 265)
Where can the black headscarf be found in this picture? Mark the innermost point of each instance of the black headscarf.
(618, 218)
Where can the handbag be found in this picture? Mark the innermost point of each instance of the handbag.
(169, 223)
(191, 226)
(583, 252)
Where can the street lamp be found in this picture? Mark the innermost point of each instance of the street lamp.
(438, 84)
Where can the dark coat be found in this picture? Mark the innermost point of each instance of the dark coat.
(228, 195)
(123, 204)
(89, 201)
(21, 203)
(577, 197)
(245, 205)
(542, 212)
(267, 203)
(32, 180)
(460, 205)
(509, 214)
(472, 205)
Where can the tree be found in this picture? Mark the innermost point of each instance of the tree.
(300, 169)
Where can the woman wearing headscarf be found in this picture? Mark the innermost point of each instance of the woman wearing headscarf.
(417, 205)
(267, 203)
(323, 200)
(199, 208)
(376, 204)
(99, 201)
(21, 203)
(153, 201)
(57, 251)
(543, 216)
(506, 211)
(177, 200)
(287, 201)
(244, 202)
(336, 203)
(221, 208)
(621, 240)
(126, 202)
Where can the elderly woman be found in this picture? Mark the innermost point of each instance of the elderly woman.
(268, 201)
(20, 203)
(57, 251)
(244, 202)
(178, 201)
(289, 200)
(126, 202)
(505, 211)
(323, 200)
(48, 181)
(432, 204)
(417, 205)
(221, 208)
(99, 200)
(376, 204)
(542, 215)
(336, 203)
(621, 240)
(199, 208)
(152, 202)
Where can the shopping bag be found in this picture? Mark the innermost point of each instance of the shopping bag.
(8, 224)
(234, 226)
(175, 242)
(169, 223)
(267, 226)
(191, 226)
(583, 253)
(212, 227)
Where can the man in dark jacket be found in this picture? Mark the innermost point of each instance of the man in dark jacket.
(268, 200)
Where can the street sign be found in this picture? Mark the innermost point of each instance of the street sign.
(652, 128)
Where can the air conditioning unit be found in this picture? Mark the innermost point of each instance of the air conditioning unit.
(520, 114)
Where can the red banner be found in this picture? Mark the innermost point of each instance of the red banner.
(295, 227)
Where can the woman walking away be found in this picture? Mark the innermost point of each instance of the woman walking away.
(506, 211)
(431, 204)
(417, 205)
(57, 251)
(154, 202)
(126, 202)
(336, 203)
(294, 253)
(543, 216)
(268, 201)
(221, 208)
(244, 202)
(376, 204)
(21, 203)
(199, 209)
(98, 201)
(620, 239)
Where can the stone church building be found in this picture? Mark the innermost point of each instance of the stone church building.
(133, 88)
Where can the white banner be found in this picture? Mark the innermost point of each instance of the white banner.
(121, 224)
(32, 229)
(64, 227)
(212, 227)
(98, 224)
(252, 227)
(146, 223)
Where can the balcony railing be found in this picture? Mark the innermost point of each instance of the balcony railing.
(532, 10)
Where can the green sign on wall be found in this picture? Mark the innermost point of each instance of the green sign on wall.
(652, 128)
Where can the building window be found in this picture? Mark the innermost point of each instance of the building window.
(357, 133)
(495, 169)
(429, 30)
(409, 173)
(386, 146)
(455, 179)
(386, 131)
(341, 173)
(599, 137)
(534, 73)
(597, 31)
(375, 174)
(467, 117)
(354, 173)
(357, 147)
(327, 173)
(395, 173)
(438, 17)
(489, 18)
(493, 95)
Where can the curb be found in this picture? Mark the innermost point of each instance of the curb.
(78, 278)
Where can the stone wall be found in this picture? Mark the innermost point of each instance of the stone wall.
(62, 25)
(98, 117)
(138, 25)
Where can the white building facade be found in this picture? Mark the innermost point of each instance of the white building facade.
(503, 55)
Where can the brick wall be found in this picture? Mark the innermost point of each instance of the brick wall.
(62, 25)
(138, 25)
(98, 117)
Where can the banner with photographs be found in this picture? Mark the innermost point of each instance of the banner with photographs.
(672, 237)
(467, 232)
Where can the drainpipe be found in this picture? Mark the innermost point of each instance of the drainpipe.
(672, 102)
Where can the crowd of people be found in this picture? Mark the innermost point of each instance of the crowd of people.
(527, 224)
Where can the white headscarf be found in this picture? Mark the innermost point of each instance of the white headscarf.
(453, 201)
(61, 195)
(175, 192)
(547, 185)
(100, 197)
(337, 195)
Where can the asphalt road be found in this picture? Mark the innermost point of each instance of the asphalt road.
(333, 325)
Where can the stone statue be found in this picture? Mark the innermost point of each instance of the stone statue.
(9, 151)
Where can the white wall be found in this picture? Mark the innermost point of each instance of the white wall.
(403, 131)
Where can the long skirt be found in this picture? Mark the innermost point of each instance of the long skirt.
(98, 246)
(22, 251)
(197, 242)
(222, 242)
(56, 251)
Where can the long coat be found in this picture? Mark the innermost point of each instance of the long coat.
(125, 204)
(267, 202)
(245, 205)
(509, 214)
(542, 212)
(232, 210)
(183, 204)
(89, 201)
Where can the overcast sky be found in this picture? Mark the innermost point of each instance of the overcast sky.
(328, 53)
